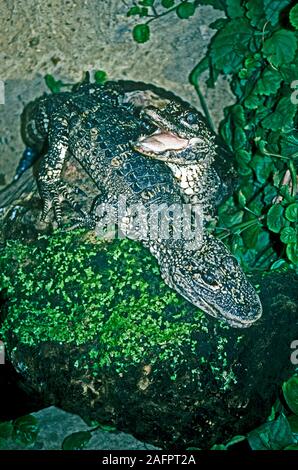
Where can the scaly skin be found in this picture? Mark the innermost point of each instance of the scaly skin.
(188, 147)
(94, 124)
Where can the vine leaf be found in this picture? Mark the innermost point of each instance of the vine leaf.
(268, 83)
(273, 9)
(25, 429)
(141, 33)
(185, 10)
(77, 440)
(230, 44)
(280, 48)
(282, 118)
(275, 219)
(294, 16)
(274, 435)
(290, 391)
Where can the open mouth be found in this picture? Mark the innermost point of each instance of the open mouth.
(163, 140)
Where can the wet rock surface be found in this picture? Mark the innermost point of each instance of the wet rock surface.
(205, 384)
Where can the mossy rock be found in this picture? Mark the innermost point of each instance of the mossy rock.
(92, 328)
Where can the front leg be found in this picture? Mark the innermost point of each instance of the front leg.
(51, 187)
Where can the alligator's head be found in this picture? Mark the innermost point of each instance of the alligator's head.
(211, 279)
(181, 135)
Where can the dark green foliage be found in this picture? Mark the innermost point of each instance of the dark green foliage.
(77, 440)
(100, 77)
(273, 435)
(290, 389)
(260, 54)
(256, 48)
(294, 16)
(23, 431)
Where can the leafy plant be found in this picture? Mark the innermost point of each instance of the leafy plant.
(256, 46)
(79, 440)
(22, 431)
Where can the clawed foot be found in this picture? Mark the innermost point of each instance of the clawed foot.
(53, 194)
(86, 221)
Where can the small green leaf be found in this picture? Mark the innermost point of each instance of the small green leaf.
(141, 33)
(255, 12)
(238, 115)
(240, 138)
(275, 220)
(53, 85)
(241, 199)
(289, 145)
(234, 9)
(285, 192)
(185, 10)
(277, 264)
(144, 12)
(135, 10)
(282, 118)
(263, 166)
(273, 435)
(167, 3)
(294, 16)
(268, 83)
(250, 235)
(253, 101)
(100, 77)
(273, 9)
(229, 45)
(243, 156)
(25, 429)
(292, 252)
(280, 48)
(288, 235)
(289, 72)
(292, 212)
(226, 132)
(290, 391)
(77, 440)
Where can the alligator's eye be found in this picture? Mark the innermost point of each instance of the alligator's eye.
(191, 118)
(209, 279)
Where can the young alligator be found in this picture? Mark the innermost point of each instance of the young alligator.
(92, 125)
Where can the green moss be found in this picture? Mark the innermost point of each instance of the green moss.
(66, 288)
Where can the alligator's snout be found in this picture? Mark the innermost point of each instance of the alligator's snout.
(212, 279)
